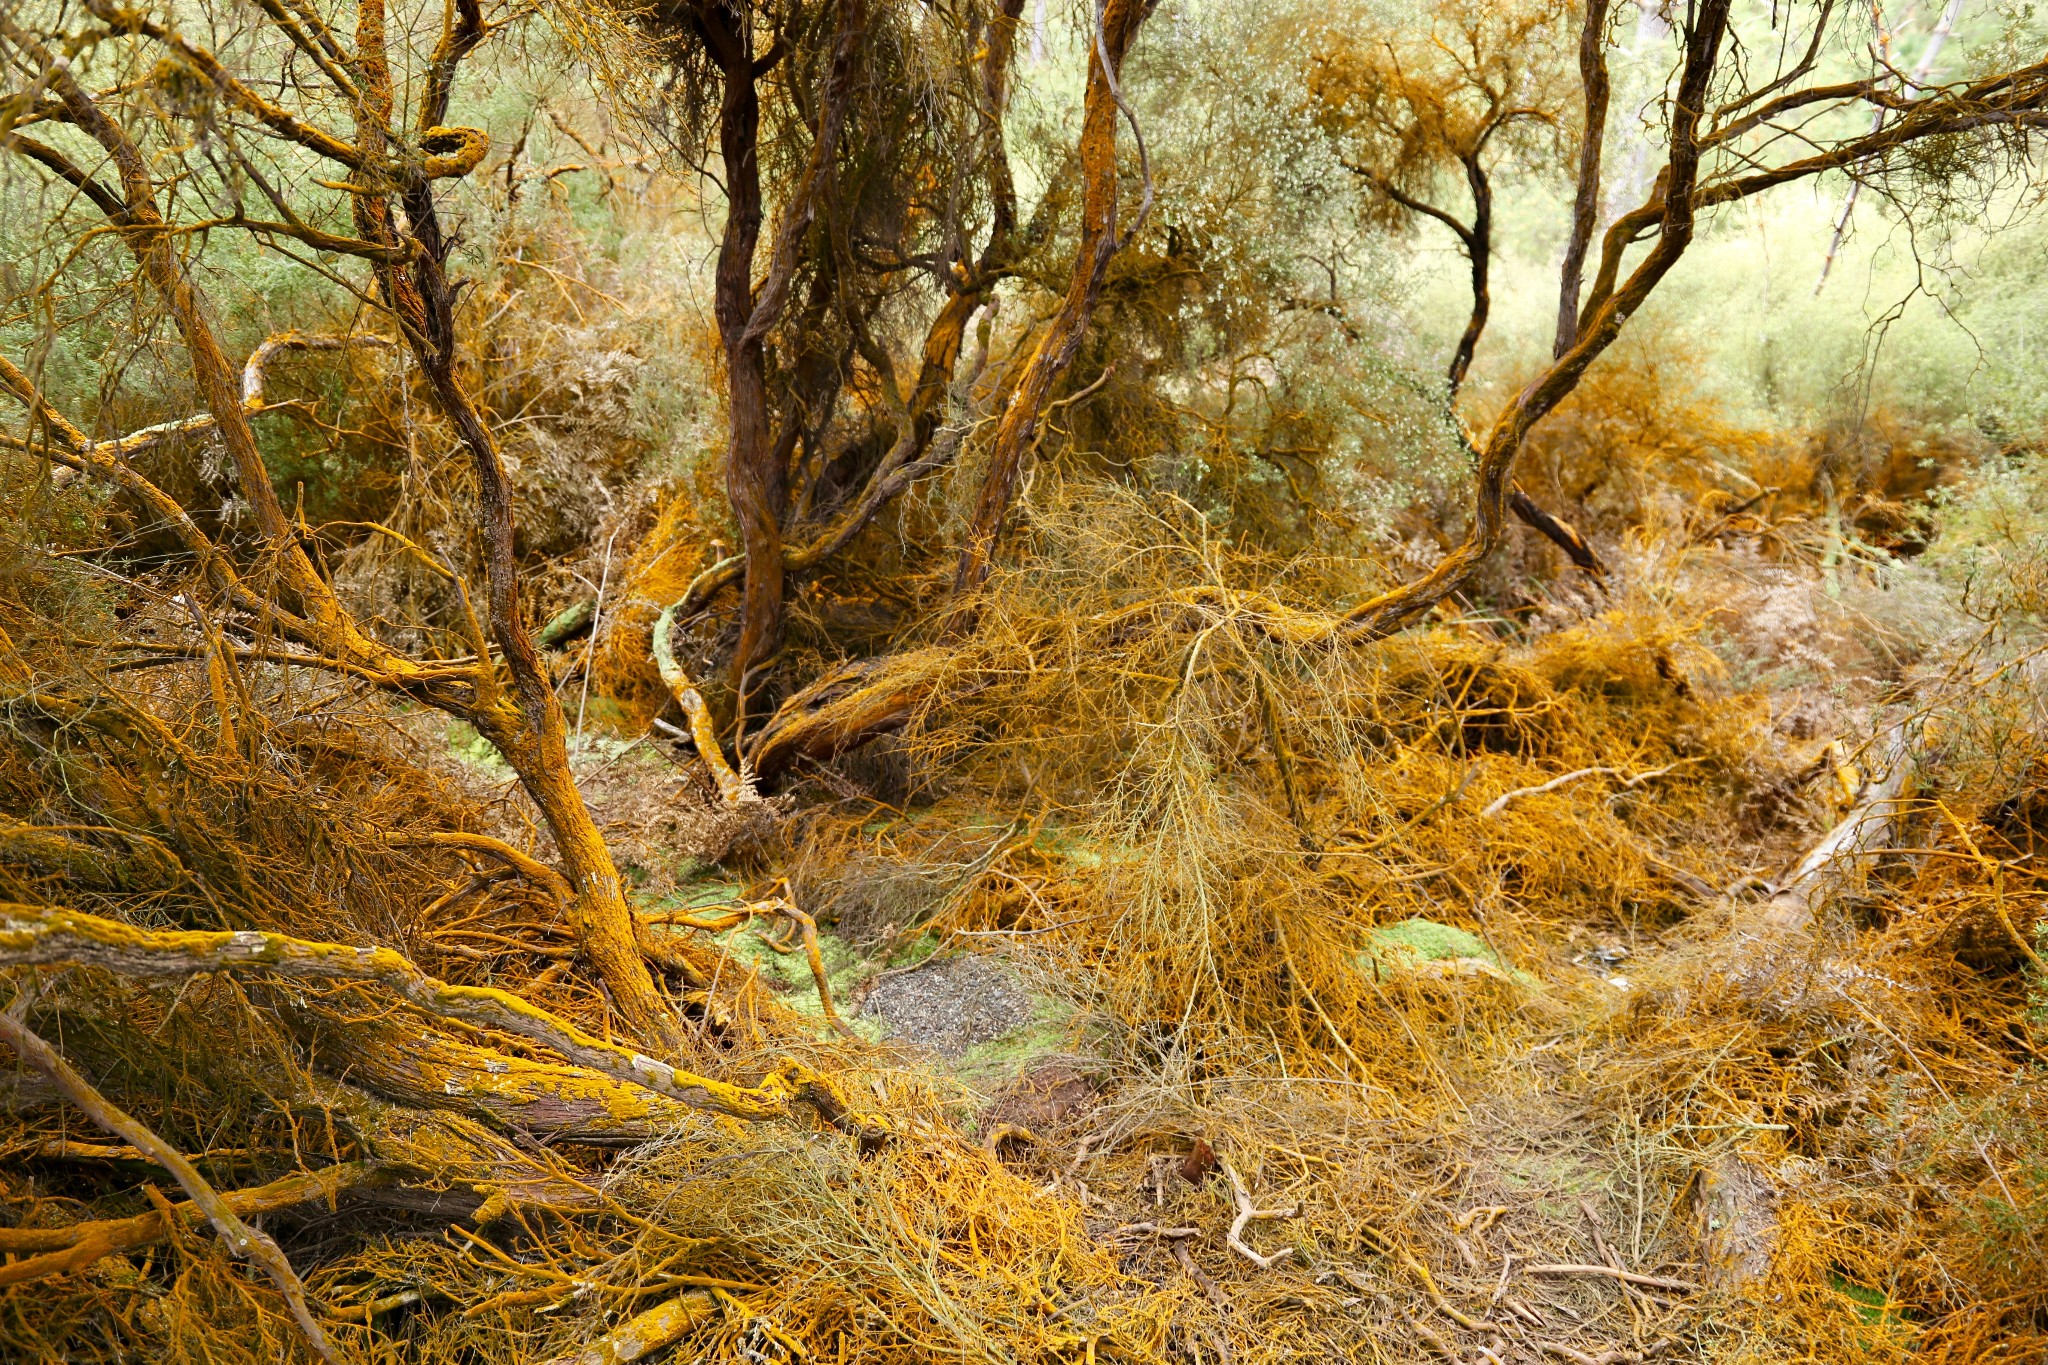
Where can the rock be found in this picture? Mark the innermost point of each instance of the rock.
(1426, 949)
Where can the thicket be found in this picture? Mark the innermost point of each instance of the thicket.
(554, 550)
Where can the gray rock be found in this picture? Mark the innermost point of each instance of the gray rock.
(950, 1005)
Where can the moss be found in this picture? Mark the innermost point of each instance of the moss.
(700, 894)
(1880, 1323)
(1050, 1032)
(788, 974)
(915, 951)
(476, 751)
(1013, 1054)
(1408, 944)
(1429, 941)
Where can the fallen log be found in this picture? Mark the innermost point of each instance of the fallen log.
(1838, 858)
(422, 1069)
(44, 935)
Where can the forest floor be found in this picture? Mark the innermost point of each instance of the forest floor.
(1646, 982)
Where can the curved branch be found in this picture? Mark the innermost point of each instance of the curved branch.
(532, 869)
(733, 787)
(1391, 611)
(280, 121)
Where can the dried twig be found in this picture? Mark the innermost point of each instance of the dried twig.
(1614, 1357)
(65, 1250)
(1201, 1277)
(1500, 803)
(1436, 1343)
(1628, 1276)
(1248, 1213)
(243, 1240)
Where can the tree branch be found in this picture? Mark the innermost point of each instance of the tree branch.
(243, 1240)
(41, 935)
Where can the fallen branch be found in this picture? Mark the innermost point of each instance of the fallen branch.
(1867, 827)
(1500, 802)
(645, 1333)
(243, 1240)
(39, 935)
(1208, 1286)
(70, 1149)
(1608, 1271)
(364, 1312)
(1247, 1214)
(1614, 1357)
(734, 787)
(62, 1251)
(1435, 1342)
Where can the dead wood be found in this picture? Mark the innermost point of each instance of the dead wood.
(648, 1332)
(65, 1250)
(42, 935)
(243, 1240)
(1834, 864)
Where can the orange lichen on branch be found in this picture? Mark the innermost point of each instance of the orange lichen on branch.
(39, 935)
(64, 1250)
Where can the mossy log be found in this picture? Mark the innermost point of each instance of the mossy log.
(602, 1073)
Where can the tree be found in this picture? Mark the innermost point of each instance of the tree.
(1480, 87)
(232, 144)
(902, 170)
(840, 253)
(1733, 129)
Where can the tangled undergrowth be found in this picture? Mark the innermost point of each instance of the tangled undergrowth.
(1426, 998)
(1457, 950)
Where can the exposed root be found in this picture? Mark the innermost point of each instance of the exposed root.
(1610, 1272)
(734, 788)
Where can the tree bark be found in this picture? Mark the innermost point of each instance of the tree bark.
(1586, 202)
(1479, 251)
(1055, 351)
(755, 485)
(528, 727)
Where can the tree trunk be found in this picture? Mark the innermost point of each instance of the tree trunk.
(755, 483)
(528, 728)
(1055, 350)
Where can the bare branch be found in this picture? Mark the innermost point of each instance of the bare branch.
(243, 1240)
